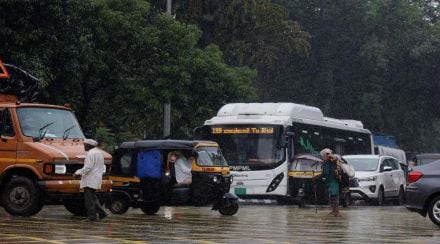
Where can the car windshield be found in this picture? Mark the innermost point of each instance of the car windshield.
(49, 122)
(423, 161)
(210, 156)
(363, 164)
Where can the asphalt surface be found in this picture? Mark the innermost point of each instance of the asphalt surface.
(252, 224)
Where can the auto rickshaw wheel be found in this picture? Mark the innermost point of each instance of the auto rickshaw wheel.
(75, 206)
(302, 203)
(118, 205)
(150, 209)
(230, 208)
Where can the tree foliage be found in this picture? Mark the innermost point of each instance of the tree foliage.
(118, 61)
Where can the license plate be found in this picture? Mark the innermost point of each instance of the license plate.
(240, 191)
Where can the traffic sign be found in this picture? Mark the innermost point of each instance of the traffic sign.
(3, 71)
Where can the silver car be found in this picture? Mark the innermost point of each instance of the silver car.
(423, 191)
(377, 178)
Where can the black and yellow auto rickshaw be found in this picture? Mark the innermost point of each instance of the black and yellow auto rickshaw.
(301, 186)
(143, 176)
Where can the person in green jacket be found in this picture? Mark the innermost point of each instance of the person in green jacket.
(331, 177)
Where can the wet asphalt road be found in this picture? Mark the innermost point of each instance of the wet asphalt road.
(252, 224)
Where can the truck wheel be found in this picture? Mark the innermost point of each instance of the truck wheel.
(118, 205)
(150, 209)
(434, 210)
(21, 197)
(75, 206)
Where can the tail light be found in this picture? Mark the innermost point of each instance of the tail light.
(414, 176)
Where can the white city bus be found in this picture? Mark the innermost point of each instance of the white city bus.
(260, 139)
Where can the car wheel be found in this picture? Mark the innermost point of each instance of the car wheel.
(434, 210)
(401, 200)
(21, 197)
(380, 197)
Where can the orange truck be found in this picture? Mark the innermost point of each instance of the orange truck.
(41, 146)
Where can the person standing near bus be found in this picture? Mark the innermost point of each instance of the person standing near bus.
(91, 179)
(331, 176)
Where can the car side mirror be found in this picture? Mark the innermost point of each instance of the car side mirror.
(387, 168)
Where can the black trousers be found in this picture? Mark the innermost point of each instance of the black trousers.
(93, 205)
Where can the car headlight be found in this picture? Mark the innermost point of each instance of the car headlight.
(371, 178)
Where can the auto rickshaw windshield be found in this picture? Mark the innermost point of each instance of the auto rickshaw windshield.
(210, 156)
(306, 165)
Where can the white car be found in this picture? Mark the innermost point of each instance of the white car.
(377, 178)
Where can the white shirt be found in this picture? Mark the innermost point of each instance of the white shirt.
(183, 170)
(93, 169)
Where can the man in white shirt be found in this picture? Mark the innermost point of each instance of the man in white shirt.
(91, 179)
(182, 168)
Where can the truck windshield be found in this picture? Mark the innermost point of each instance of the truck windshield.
(49, 122)
(210, 156)
(249, 147)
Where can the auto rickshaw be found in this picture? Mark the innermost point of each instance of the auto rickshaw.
(301, 186)
(143, 176)
(301, 189)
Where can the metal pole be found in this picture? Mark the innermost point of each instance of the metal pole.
(166, 119)
(167, 105)
(169, 4)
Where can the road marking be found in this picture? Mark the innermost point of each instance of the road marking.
(11, 236)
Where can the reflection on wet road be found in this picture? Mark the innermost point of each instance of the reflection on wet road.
(252, 224)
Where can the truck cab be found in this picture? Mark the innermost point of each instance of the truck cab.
(41, 146)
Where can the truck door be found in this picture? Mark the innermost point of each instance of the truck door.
(8, 141)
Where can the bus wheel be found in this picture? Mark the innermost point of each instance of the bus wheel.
(118, 205)
(21, 197)
(150, 209)
(75, 206)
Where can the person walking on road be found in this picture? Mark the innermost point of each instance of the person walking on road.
(91, 179)
(331, 174)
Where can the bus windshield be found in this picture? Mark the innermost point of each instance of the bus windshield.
(210, 156)
(249, 147)
(48, 122)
